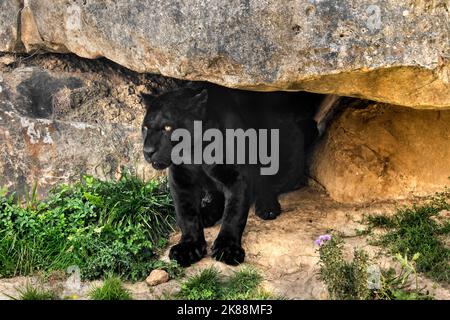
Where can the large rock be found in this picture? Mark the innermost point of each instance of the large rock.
(390, 51)
(384, 152)
(57, 125)
(9, 24)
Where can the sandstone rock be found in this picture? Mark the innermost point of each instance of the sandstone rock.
(384, 152)
(442, 218)
(9, 18)
(391, 51)
(56, 126)
(157, 277)
(7, 60)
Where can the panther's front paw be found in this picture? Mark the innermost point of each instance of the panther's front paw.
(228, 252)
(268, 210)
(187, 253)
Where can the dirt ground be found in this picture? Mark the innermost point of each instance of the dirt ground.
(282, 249)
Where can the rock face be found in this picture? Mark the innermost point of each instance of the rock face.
(9, 27)
(384, 152)
(390, 51)
(56, 125)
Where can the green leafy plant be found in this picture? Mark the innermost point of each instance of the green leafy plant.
(417, 230)
(395, 285)
(112, 289)
(103, 227)
(344, 280)
(209, 284)
(350, 280)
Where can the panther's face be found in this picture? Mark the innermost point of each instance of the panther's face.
(166, 113)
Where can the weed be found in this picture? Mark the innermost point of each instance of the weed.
(30, 292)
(112, 289)
(351, 280)
(209, 284)
(204, 286)
(244, 285)
(344, 280)
(416, 230)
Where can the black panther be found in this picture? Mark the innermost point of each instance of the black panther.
(205, 193)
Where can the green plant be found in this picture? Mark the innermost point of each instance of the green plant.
(244, 285)
(209, 284)
(349, 280)
(204, 286)
(344, 280)
(103, 227)
(416, 230)
(30, 292)
(112, 289)
(395, 286)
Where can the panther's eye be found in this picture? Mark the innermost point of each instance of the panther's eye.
(167, 128)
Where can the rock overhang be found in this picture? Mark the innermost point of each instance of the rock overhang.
(397, 52)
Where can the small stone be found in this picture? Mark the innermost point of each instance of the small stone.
(7, 60)
(442, 217)
(444, 214)
(157, 277)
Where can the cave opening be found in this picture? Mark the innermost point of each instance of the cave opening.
(93, 114)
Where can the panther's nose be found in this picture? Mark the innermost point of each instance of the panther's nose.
(149, 150)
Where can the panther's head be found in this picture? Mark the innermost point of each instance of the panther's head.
(166, 113)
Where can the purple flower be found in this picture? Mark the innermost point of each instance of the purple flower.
(325, 237)
(322, 239)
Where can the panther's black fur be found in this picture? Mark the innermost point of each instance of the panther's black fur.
(204, 194)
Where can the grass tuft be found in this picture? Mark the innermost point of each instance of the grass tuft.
(209, 284)
(204, 286)
(112, 289)
(30, 292)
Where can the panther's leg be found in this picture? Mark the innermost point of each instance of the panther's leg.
(211, 208)
(186, 194)
(267, 206)
(227, 246)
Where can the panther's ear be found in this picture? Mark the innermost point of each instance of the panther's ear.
(148, 99)
(199, 102)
